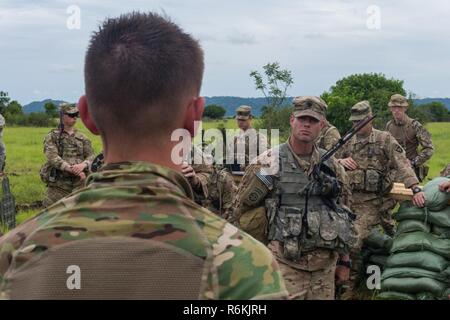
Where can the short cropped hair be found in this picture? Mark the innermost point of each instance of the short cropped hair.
(138, 69)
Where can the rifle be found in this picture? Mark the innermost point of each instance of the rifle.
(322, 167)
(54, 172)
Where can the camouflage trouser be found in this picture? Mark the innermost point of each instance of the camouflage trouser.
(369, 215)
(53, 194)
(315, 283)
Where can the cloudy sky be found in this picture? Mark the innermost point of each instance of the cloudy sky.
(42, 43)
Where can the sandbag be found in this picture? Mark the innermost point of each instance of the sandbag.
(423, 260)
(425, 296)
(394, 295)
(414, 285)
(407, 272)
(419, 241)
(441, 232)
(440, 218)
(378, 240)
(435, 199)
(411, 226)
(409, 212)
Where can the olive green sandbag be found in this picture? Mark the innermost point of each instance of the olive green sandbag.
(407, 272)
(394, 295)
(425, 296)
(419, 241)
(411, 226)
(409, 212)
(378, 240)
(423, 260)
(435, 199)
(414, 285)
(443, 233)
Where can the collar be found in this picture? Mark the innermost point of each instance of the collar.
(139, 172)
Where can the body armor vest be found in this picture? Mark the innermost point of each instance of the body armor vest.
(372, 175)
(405, 134)
(300, 231)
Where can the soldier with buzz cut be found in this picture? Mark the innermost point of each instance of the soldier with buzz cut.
(411, 134)
(133, 231)
(302, 217)
(69, 156)
(372, 159)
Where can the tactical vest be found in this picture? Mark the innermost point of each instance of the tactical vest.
(372, 174)
(322, 227)
(406, 135)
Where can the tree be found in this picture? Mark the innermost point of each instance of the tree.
(374, 87)
(275, 87)
(51, 110)
(4, 100)
(214, 112)
(435, 111)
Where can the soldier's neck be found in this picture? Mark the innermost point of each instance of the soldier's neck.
(69, 129)
(301, 148)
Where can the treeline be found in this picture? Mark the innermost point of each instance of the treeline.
(12, 111)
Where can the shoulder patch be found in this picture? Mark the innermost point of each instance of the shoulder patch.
(266, 179)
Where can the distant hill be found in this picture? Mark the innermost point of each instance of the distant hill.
(38, 106)
(445, 101)
(229, 103)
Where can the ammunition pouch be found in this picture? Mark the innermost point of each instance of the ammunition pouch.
(371, 181)
(48, 173)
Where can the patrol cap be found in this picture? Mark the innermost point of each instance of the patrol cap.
(360, 111)
(243, 112)
(309, 106)
(397, 100)
(68, 108)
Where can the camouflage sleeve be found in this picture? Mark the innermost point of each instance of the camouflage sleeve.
(246, 268)
(2, 155)
(229, 190)
(424, 138)
(446, 171)
(346, 195)
(88, 152)
(331, 137)
(51, 152)
(398, 161)
(203, 173)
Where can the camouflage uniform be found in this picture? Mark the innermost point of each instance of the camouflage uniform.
(259, 209)
(76, 149)
(410, 134)
(2, 145)
(380, 158)
(158, 244)
(328, 137)
(251, 142)
(446, 171)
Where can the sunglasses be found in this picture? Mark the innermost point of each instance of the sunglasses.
(72, 115)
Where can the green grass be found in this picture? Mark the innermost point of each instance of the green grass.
(24, 147)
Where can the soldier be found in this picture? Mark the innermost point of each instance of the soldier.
(69, 155)
(410, 134)
(372, 157)
(247, 143)
(329, 135)
(2, 146)
(133, 232)
(301, 234)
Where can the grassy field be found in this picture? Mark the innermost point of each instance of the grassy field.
(25, 156)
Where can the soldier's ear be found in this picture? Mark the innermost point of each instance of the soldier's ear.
(86, 116)
(194, 112)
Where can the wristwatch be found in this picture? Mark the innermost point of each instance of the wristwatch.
(347, 264)
(416, 190)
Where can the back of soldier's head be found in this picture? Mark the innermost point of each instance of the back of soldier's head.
(139, 69)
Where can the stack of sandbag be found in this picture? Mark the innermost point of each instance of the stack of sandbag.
(375, 250)
(419, 264)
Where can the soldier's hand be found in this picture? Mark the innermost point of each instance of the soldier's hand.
(82, 175)
(78, 168)
(342, 274)
(348, 163)
(419, 200)
(444, 187)
(189, 173)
